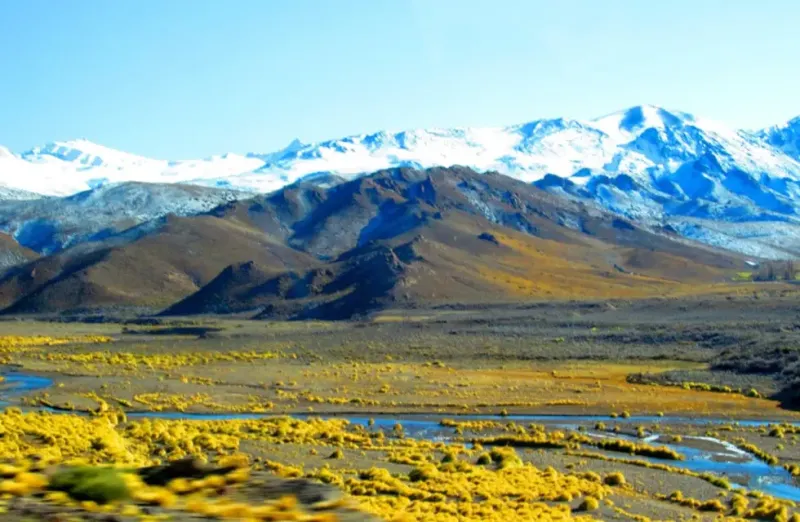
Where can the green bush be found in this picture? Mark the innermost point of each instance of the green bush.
(101, 485)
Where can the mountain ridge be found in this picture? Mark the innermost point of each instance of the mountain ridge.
(396, 237)
(90, 155)
(662, 168)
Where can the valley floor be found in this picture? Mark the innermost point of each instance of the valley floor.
(418, 415)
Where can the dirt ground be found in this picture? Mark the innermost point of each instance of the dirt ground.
(556, 358)
(549, 358)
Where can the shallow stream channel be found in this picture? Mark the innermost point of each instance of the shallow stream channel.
(703, 454)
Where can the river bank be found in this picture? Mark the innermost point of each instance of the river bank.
(717, 456)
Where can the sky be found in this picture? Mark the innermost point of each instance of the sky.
(184, 79)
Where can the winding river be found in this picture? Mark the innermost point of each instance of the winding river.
(724, 459)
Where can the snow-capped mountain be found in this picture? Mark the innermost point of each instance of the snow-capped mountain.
(663, 168)
(49, 224)
(785, 137)
(66, 168)
(643, 142)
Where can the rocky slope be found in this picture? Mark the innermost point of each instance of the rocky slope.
(399, 237)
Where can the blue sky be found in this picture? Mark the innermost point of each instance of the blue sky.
(179, 79)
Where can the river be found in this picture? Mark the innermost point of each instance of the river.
(725, 459)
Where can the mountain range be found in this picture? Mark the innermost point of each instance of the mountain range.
(398, 237)
(657, 167)
(641, 202)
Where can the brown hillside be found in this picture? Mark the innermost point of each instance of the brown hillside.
(397, 236)
(12, 253)
(153, 271)
(459, 258)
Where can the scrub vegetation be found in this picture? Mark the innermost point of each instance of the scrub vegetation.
(333, 410)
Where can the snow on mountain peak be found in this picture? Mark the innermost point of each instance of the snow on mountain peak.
(296, 144)
(644, 162)
(639, 118)
(286, 153)
(633, 142)
(794, 122)
(84, 153)
(784, 137)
